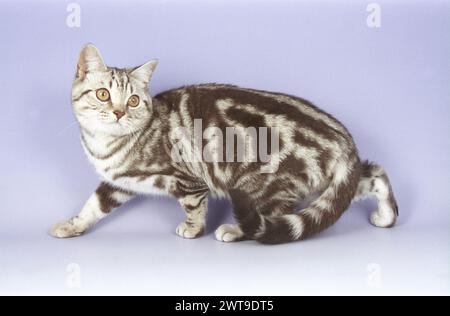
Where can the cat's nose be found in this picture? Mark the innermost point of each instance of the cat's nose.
(119, 114)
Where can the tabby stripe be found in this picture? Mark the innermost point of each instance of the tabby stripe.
(245, 118)
(127, 85)
(122, 82)
(113, 151)
(106, 199)
(196, 206)
(186, 118)
(270, 105)
(142, 175)
(116, 140)
(192, 191)
(81, 95)
(308, 108)
(324, 155)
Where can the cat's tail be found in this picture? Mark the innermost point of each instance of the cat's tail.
(321, 214)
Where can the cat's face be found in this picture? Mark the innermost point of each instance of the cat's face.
(109, 100)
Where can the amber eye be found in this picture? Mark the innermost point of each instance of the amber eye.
(103, 94)
(133, 101)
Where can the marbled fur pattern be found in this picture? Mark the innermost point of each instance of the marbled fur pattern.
(132, 155)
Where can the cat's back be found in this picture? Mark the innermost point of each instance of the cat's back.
(233, 105)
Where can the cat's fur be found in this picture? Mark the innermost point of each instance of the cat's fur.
(317, 157)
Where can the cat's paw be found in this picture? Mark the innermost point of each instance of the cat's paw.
(187, 231)
(383, 219)
(66, 230)
(229, 233)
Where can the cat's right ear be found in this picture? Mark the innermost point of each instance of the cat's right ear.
(90, 60)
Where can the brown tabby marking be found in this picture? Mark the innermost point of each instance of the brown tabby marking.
(106, 199)
(316, 156)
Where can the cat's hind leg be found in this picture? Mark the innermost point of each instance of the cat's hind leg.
(375, 182)
(250, 213)
(99, 205)
(229, 233)
(285, 222)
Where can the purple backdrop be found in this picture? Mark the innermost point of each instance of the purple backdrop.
(389, 85)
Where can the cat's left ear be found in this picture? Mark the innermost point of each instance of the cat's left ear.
(144, 73)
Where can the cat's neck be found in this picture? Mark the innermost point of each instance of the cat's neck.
(101, 145)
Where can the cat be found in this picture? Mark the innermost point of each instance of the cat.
(128, 137)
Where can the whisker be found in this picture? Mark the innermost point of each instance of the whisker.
(72, 124)
(66, 128)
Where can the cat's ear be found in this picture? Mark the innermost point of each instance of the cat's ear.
(90, 60)
(144, 73)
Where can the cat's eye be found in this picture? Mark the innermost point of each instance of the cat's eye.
(103, 94)
(133, 101)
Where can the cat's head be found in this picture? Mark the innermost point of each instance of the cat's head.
(110, 100)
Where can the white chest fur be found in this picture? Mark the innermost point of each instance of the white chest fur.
(113, 165)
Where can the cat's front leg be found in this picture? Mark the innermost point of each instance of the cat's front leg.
(196, 207)
(100, 204)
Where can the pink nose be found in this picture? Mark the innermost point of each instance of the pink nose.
(119, 114)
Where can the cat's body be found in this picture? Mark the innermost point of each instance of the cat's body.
(315, 155)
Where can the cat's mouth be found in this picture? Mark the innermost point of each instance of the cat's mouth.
(114, 122)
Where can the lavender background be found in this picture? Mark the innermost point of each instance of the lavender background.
(390, 86)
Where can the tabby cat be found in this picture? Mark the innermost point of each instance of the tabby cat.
(130, 139)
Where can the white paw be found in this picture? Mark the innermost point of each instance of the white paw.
(383, 220)
(66, 230)
(229, 233)
(189, 232)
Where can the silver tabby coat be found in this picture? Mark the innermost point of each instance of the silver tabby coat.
(126, 135)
